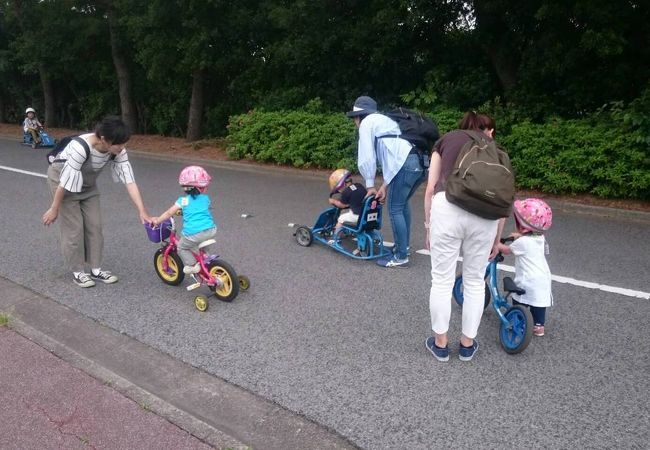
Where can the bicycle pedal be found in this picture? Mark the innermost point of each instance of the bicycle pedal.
(193, 286)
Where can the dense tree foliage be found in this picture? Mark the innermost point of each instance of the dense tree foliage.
(182, 67)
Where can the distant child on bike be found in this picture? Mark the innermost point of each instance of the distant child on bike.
(198, 224)
(532, 217)
(32, 126)
(344, 194)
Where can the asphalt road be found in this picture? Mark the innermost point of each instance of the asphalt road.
(342, 341)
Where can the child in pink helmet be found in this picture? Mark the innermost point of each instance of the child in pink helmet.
(198, 223)
(532, 217)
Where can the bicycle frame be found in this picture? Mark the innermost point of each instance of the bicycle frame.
(201, 257)
(498, 301)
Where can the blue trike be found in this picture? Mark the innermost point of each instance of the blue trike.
(46, 139)
(516, 320)
(361, 240)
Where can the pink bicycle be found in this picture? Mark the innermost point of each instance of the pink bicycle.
(217, 274)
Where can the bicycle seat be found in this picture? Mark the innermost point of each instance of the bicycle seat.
(510, 286)
(206, 243)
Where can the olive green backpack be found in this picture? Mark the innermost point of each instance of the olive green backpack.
(482, 181)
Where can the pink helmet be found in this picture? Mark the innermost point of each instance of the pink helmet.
(533, 214)
(194, 176)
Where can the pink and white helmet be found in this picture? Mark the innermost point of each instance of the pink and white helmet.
(194, 176)
(533, 214)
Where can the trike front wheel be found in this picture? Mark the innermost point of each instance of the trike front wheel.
(173, 275)
(460, 297)
(304, 236)
(516, 336)
(227, 286)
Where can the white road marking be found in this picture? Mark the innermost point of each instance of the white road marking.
(24, 172)
(573, 281)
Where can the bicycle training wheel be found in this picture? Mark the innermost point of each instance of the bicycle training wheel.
(458, 292)
(229, 282)
(201, 303)
(516, 336)
(174, 275)
(244, 282)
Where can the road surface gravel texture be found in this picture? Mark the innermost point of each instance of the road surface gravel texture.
(342, 341)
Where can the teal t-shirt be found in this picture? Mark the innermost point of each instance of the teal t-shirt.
(196, 214)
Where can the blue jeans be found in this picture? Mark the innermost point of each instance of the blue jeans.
(400, 191)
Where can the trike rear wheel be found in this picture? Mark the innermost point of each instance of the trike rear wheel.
(228, 286)
(459, 296)
(516, 336)
(174, 275)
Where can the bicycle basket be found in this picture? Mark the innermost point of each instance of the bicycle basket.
(159, 233)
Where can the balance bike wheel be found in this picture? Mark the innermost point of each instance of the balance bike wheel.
(458, 292)
(228, 281)
(174, 275)
(516, 336)
(201, 303)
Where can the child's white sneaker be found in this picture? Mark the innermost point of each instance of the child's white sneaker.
(196, 268)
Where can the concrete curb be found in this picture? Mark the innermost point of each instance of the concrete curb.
(219, 413)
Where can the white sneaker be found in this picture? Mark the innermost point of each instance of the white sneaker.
(104, 276)
(83, 280)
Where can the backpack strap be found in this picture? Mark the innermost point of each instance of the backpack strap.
(475, 135)
(85, 146)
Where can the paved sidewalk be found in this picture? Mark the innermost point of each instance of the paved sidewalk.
(68, 382)
(49, 404)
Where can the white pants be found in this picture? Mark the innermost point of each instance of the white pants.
(453, 229)
(348, 217)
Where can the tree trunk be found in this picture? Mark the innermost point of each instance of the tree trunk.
(496, 39)
(127, 106)
(48, 95)
(196, 106)
(2, 109)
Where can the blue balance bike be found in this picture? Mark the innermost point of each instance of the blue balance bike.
(46, 139)
(516, 320)
(361, 240)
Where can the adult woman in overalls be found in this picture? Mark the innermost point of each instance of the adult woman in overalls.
(75, 197)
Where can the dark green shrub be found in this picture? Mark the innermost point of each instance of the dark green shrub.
(579, 156)
(298, 138)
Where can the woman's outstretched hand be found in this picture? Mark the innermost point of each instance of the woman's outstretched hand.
(50, 216)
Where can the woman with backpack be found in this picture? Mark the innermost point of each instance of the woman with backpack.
(451, 229)
(72, 179)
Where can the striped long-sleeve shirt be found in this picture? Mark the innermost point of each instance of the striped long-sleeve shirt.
(75, 156)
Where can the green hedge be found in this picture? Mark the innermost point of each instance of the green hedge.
(605, 154)
(304, 138)
(577, 156)
(297, 138)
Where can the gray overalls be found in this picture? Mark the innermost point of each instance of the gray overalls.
(80, 221)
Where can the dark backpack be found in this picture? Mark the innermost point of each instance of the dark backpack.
(53, 155)
(418, 129)
(482, 181)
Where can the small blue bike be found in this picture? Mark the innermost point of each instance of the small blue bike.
(516, 328)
